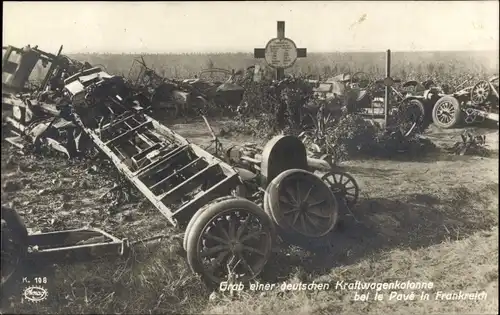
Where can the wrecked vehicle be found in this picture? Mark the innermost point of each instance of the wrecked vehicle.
(471, 104)
(220, 90)
(164, 94)
(215, 199)
(20, 249)
(344, 89)
(359, 93)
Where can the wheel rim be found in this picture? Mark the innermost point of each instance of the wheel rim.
(236, 240)
(304, 206)
(445, 112)
(343, 186)
(480, 92)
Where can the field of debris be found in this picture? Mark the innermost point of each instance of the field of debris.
(427, 213)
(426, 220)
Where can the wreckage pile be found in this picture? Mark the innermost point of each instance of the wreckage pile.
(218, 200)
(231, 205)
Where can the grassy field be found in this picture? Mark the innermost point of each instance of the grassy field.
(432, 220)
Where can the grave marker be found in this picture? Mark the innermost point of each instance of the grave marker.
(280, 52)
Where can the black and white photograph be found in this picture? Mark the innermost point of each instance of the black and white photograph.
(250, 157)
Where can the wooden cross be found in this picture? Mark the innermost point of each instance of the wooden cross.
(280, 52)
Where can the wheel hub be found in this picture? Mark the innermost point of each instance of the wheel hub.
(338, 189)
(235, 246)
(303, 207)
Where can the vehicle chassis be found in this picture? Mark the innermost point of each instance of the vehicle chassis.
(227, 236)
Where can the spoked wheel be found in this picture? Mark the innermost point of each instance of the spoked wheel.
(480, 92)
(230, 239)
(301, 203)
(343, 186)
(446, 112)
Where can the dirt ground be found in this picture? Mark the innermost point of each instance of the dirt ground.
(433, 220)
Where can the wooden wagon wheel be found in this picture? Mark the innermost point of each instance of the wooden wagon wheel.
(301, 203)
(343, 186)
(230, 239)
(480, 92)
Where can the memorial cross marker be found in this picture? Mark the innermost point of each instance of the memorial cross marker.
(280, 52)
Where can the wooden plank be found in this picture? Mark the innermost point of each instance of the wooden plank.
(147, 169)
(190, 179)
(116, 123)
(281, 29)
(145, 152)
(200, 201)
(129, 132)
(131, 176)
(175, 173)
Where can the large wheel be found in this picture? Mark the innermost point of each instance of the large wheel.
(446, 112)
(480, 92)
(343, 186)
(14, 243)
(197, 214)
(230, 237)
(301, 203)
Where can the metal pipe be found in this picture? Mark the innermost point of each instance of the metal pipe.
(387, 88)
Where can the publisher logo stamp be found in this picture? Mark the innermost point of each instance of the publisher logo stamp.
(35, 294)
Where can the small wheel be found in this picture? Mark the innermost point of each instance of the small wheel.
(230, 238)
(301, 203)
(480, 92)
(446, 112)
(343, 186)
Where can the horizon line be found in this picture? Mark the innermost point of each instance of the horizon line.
(251, 53)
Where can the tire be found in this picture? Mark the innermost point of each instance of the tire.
(206, 216)
(15, 224)
(197, 214)
(14, 243)
(447, 113)
(282, 209)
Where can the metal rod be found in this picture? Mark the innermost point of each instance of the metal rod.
(387, 88)
(53, 65)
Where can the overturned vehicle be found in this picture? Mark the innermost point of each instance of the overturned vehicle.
(232, 207)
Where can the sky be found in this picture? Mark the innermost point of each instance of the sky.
(319, 26)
